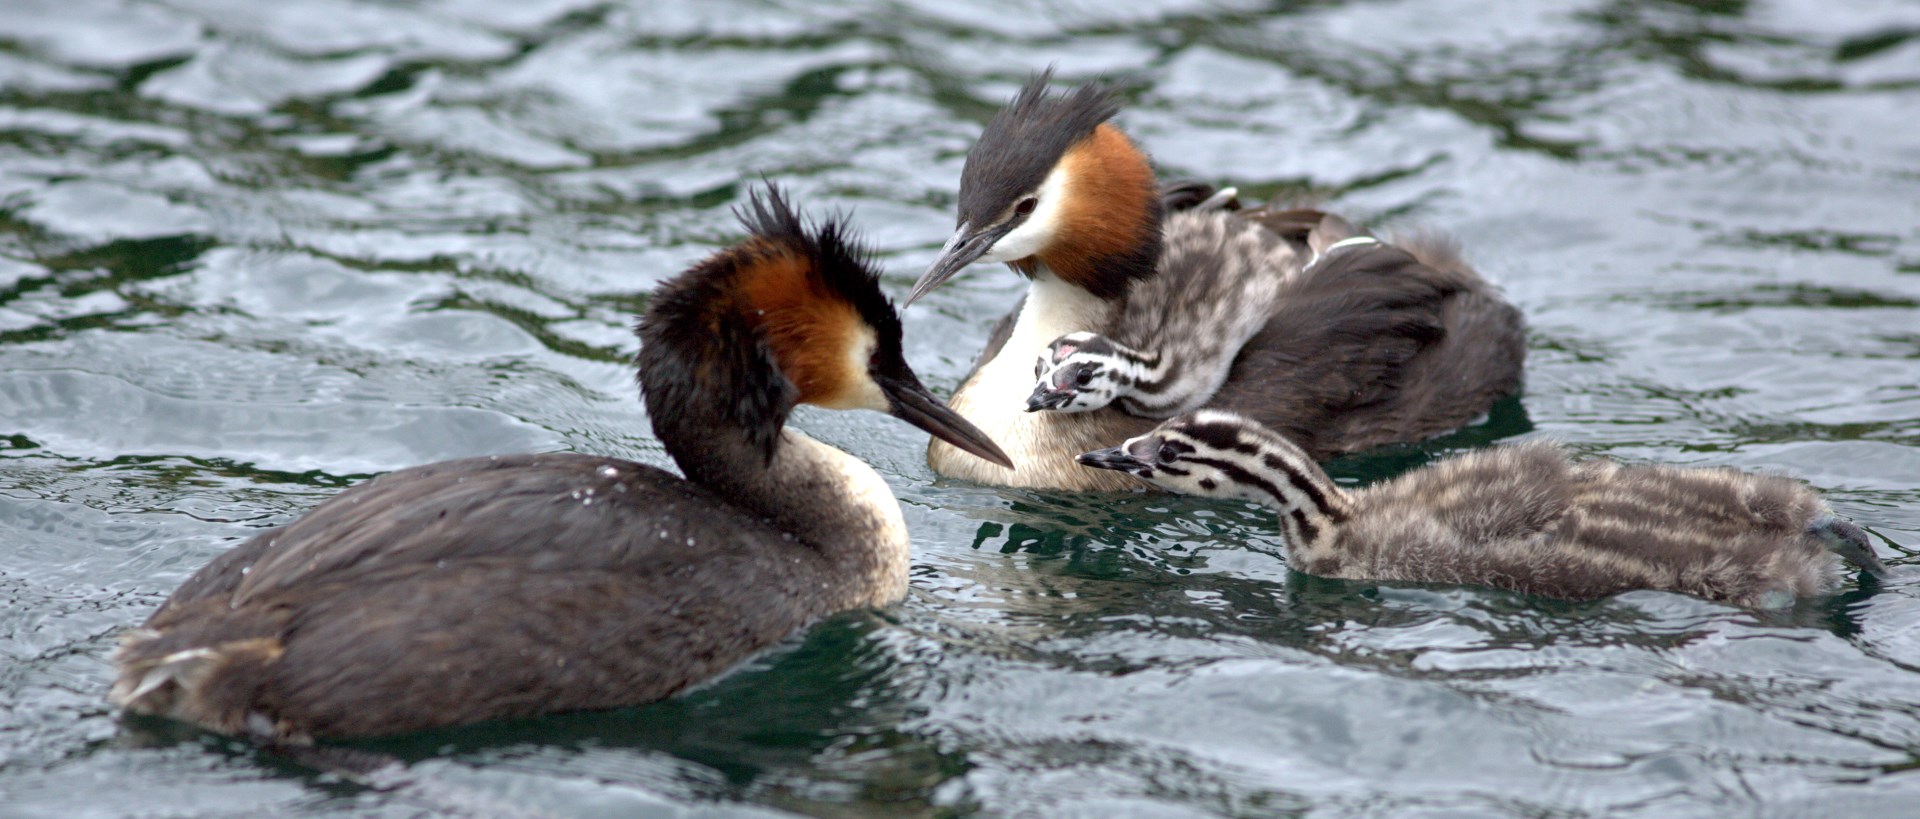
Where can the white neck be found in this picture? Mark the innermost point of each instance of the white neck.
(842, 507)
(995, 398)
(1054, 308)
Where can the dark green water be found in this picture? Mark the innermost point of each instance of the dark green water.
(253, 252)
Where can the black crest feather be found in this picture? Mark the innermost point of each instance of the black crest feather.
(1025, 140)
(702, 354)
(839, 258)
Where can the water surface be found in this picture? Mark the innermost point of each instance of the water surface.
(252, 253)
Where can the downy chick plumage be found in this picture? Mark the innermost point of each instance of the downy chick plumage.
(1524, 517)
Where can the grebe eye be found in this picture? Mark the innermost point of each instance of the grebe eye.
(1083, 378)
(1168, 454)
(1026, 206)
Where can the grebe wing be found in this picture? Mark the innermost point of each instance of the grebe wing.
(545, 511)
(1335, 350)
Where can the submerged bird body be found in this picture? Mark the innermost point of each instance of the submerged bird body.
(518, 585)
(1523, 517)
(484, 588)
(1347, 357)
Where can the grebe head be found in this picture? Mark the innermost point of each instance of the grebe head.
(1052, 183)
(1079, 372)
(793, 315)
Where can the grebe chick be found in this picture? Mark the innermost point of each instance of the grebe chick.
(1082, 372)
(518, 585)
(1522, 517)
(1193, 342)
(1059, 194)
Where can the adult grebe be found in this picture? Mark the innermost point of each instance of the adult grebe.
(518, 585)
(1062, 196)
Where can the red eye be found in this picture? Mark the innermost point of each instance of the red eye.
(1026, 206)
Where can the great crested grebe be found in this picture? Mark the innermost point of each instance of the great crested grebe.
(518, 585)
(1522, 517)
(1082, 372)
(1062, 196)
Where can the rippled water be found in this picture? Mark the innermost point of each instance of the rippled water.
(251, 253)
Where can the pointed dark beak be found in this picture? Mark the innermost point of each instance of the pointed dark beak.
(966, 247)
(1045, 397)
(912, 403)
(1112, 458)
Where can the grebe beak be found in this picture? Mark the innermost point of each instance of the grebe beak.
(910, 402)
(966, 247)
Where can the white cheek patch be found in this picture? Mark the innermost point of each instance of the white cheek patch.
(861, 391)
(1033, 235)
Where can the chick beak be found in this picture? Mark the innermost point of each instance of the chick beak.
(1112, 458)
(909, 401)
(965, 248)
(1045, 397)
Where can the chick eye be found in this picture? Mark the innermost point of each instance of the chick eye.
(1168, 454)
(1083, 378)
(1026, 206)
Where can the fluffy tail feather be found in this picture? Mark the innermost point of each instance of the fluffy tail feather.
(160, 677)
(149, 681)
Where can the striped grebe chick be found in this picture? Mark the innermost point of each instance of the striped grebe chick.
(518, 585)
(1185, 352)
(1058, 193)
(1524, 517)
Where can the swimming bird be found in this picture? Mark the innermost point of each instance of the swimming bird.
(1082, 372)
(1524, 517)
(518, 585)
(1061, 195)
